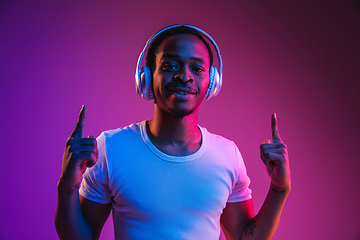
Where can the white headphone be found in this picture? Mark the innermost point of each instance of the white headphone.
(143, 75)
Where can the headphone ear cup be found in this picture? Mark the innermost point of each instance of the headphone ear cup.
(145, 81)
(214, 83)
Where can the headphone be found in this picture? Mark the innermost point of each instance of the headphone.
(143, 75)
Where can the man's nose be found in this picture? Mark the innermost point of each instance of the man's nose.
(185, 75)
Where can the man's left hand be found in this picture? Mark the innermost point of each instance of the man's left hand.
(274, 154)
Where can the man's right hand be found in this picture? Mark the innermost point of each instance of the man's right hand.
(79, 153)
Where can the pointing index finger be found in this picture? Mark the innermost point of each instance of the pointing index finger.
(275, 136)
(77, 133)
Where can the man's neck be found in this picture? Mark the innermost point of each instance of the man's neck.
(177, 136)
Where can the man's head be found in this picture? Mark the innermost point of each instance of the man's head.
(181, 74)
(144, 75)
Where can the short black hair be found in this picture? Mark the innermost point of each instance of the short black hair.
(156, 42)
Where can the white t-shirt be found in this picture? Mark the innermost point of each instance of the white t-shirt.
(157, 196)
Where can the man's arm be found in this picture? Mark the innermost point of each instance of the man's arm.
(79, 218)
(264, 224)
(235, 217)
(238, 220)
(75, 217)
(96, 214)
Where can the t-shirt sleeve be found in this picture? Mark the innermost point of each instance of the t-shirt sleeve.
(241, 191)
(95, 182)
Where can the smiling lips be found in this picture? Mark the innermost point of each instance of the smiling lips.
(181, 90)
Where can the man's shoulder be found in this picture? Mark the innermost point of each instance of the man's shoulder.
(214, 136)
(132, 129)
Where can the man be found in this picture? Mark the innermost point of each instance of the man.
(168, 178)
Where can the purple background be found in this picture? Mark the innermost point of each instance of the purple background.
(301, 60)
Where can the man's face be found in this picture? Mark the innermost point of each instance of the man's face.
(181, 74)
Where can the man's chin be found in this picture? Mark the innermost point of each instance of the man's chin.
(180, 113)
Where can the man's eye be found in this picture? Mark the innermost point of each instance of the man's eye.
(170, 66)
(198, 69)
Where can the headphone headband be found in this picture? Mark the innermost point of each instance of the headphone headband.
(139, 71)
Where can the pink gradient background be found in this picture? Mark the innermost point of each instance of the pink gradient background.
(301, 60)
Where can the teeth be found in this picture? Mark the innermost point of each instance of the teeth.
(179, 92)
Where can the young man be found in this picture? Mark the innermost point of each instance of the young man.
(168, 178)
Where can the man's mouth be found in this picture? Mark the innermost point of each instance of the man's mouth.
(181, 90)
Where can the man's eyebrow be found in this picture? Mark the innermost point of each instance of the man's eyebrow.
(173, 55)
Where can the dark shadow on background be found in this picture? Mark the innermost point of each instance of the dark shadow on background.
(356, 4)
(3, 4)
